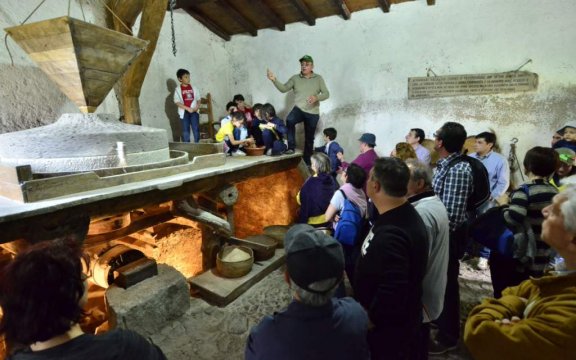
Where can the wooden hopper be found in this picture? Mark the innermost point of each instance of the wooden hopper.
(83, 59)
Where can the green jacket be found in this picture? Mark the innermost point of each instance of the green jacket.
(547, 329)
(303, 88)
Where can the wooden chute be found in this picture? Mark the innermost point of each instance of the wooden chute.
(83, 59)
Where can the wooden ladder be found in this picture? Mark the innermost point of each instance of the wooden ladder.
(206, 109)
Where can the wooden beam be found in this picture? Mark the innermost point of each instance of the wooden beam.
(431, 2)
(385, 5)
(238, 17)
(270, 15)
(151, 21)
(204, 20)
(343, 8)
(304, 11)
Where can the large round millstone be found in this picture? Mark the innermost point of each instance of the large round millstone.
(83, 142)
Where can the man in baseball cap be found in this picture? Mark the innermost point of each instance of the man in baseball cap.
(367, 154)
(309, 89)
(315, 325)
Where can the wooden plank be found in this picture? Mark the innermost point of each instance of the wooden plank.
(238, 17)
(304, 11)
(36, 190)
(384, 5)
(135, 226)
(471, 84)
(18, 225)
(15, 174)
(39, 29)
(270, 15)
(343, 8)
(222, 291)
(57, 41)
(12, 191)
(202, 18)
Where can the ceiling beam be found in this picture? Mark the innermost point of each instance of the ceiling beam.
(270, 15)
(205, 20)
(344, 10)
(385, 5)
(304, 11)
(431, 2)
(238, 17)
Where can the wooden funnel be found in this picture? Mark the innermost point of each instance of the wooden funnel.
(83, 59)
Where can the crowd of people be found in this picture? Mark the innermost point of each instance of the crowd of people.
(404, 259)
(396, 227)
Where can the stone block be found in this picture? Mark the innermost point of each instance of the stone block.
(150, 305)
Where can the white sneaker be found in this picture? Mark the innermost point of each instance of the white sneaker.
(238, 153)
(482, 264)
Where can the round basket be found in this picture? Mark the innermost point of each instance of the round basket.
(229, 267)
(255, 151)
(277, 232)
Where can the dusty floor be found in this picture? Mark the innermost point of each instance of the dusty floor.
(209, 332)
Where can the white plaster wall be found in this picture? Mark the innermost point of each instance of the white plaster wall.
(366, 62)
(29, 99)
(199, 51)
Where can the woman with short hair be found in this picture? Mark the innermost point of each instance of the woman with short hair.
(42, 292)
(315, 195)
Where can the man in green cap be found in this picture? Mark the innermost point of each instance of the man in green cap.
(309, 89)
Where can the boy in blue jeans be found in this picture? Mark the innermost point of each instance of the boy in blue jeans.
(331, 148)
(187, 99)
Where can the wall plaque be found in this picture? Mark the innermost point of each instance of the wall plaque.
(479, 84)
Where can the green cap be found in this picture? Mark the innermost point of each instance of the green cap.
(307, 58)
(566, 155)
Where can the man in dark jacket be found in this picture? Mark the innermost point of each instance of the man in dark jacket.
(316, 325)
(392, 265)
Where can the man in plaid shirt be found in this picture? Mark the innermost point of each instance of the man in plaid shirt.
(452, 183)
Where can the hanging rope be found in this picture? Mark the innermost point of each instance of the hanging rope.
(22, 23)
(117, 18)
(172, 5)
(69, 1)
(82, 10)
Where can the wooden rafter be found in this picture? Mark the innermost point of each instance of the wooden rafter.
(385, 5)
(238, 17)
(202, 18)
(343, 8)
(270, 15)
(431, 2)
(306, 13)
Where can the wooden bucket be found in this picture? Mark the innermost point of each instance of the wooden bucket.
(234, 269)
(277, 232)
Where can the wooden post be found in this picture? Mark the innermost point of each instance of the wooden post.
(153, 12)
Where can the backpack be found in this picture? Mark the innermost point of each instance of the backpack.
(349, 227)
(480, 182)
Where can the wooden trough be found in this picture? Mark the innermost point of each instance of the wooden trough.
(83, 59)
(20, 184)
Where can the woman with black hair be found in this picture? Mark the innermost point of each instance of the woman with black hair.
(42, 292)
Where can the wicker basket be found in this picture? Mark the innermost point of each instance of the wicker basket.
(234, 269)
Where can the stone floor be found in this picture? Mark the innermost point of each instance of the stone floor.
(209, 332)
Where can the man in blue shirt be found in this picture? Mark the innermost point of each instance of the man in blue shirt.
(315, 325)
(498, 174)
